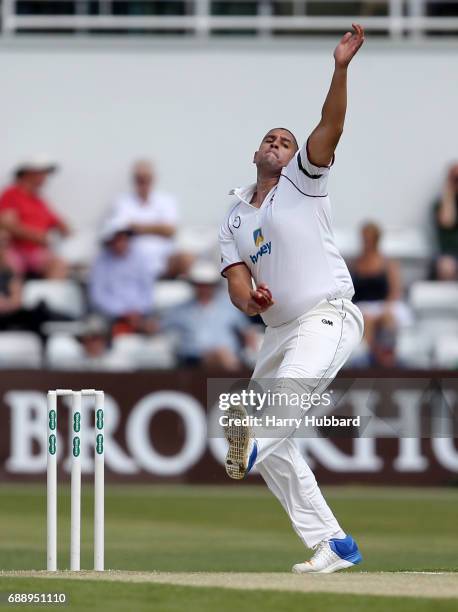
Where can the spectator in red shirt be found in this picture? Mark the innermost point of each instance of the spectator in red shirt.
(28, 219)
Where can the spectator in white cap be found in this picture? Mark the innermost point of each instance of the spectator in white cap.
(121, 285)
(211, 331)
(29, 219)
(153, 218)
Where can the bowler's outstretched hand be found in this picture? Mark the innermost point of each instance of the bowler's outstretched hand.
(349, 46)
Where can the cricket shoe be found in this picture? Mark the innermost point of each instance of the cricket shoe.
(243, 450)
(331, 556)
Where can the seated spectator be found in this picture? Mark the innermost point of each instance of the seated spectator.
(10, 287)
(12, 314)
(88, 349)
(95, 348)
(153, 217)
(29, 220)
(378, 294)
(121, 284)
(212, 332)
(94, 338)
(446, 226)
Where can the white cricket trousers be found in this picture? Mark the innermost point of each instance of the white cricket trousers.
(315, 347)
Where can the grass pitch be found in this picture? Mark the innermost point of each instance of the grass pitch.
(242, 530)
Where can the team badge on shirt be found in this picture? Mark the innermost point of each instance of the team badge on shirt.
(258, 237)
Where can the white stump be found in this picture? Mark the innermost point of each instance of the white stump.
(51, 490)
(75, 519)
(99, 484)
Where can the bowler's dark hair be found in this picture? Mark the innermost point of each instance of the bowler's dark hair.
(285, 130)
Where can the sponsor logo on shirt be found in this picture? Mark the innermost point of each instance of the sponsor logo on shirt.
(265, 249)
(258, 237)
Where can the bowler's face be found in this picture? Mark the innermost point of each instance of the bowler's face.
(276, 150)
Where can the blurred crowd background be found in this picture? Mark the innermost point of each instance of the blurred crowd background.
(145, 299)
(125, 125)
(109, 260)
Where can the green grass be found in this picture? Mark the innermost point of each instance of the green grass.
(87, 595)
(174, 528)
(235, 528)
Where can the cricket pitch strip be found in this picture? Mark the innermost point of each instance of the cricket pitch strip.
(407, 584)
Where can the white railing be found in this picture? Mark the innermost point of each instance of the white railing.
(200, 17)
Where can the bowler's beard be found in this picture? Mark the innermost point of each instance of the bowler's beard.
(269, 167)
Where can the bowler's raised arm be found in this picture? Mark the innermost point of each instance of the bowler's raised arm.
(325, 137)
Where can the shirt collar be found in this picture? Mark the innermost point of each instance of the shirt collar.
(245, 194)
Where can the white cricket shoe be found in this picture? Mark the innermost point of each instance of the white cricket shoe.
(243, 450)
(331, 556)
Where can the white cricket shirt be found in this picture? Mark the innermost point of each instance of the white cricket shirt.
(288, 242)
(159, 208)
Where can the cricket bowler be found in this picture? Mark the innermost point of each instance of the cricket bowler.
(279, 235)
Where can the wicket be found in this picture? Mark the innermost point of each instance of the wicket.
(75, 519)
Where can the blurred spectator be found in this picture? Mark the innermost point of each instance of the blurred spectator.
(12, 313)
(378, 294)
(121, 284)
(153, 217)
(10, 287)
(28, 218)
(212, 332)
(446, 225)
(88, 349)
(94, 338)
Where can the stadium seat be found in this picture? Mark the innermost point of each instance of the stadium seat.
(63, 296)
(433, 297)
(158, 352)
(128, 346)
(433, 327)
(169, 293)
(413, 349)
(406, 243)
(402, 243)
(20, 350)
(63, 352)
(142, 352)
(201, 241)
(445, 353)
(435, 305)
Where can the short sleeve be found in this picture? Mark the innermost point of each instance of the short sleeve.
(311, 179)
(230, 255)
